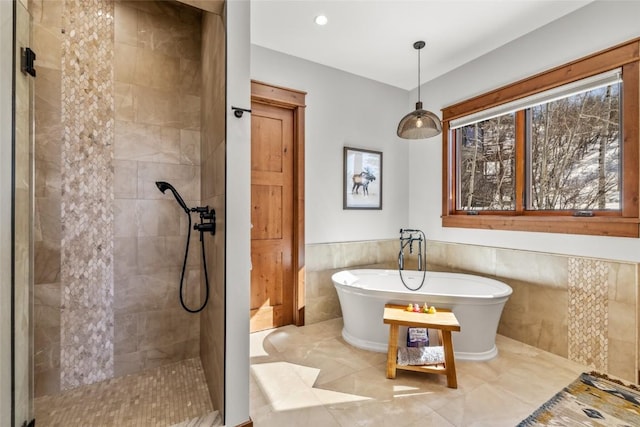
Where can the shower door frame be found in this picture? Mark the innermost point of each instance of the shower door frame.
(6, 184)
(16, 220)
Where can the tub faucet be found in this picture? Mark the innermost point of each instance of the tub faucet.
(407, 237)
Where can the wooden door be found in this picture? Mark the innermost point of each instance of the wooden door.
(272, 168)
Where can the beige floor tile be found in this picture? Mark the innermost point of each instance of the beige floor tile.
(395, 412)
(256, 397)
(283, 386)
(333, 359)
(282, 339)
(311, 376)
(487, 405)
(432, 419)
(316, 416)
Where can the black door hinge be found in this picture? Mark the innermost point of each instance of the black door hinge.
(28, 57)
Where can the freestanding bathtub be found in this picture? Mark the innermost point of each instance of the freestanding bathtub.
(476, 301)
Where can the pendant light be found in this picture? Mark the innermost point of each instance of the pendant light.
(420, 123)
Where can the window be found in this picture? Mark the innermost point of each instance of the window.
(557, 153)
(573, 152)
(485, 151)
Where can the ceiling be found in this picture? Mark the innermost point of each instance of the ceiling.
(374, 38)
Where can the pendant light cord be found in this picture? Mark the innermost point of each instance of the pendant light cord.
(418, 74)
(418, 46)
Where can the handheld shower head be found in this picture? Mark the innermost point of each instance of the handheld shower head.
(163, 186)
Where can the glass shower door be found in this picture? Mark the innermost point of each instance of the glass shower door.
(6, 102)
(23, 143)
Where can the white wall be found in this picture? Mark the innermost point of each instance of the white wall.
(6, 71)
(597, 26)
(343, 110)
(238, 220)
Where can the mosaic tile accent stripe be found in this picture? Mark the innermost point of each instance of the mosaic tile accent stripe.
(86, 336)
(588, 312)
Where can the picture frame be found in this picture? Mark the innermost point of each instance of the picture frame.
(362, 179)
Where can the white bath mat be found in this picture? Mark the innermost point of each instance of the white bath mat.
(420, 355)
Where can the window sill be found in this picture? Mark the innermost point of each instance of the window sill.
(595, 226)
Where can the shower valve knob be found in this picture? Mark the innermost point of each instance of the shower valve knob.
(200, 209)
(206, 227)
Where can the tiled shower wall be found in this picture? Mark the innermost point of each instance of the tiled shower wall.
(212, 318)
(86, 215)
(157, 138)
(580, 308)
(47, 42)
(155, 128)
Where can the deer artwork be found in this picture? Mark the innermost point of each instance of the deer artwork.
(362, 179)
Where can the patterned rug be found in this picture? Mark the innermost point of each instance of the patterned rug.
(591, 400)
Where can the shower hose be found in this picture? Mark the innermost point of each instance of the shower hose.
(184, 266)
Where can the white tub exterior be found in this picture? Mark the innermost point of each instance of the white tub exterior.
(476, 301)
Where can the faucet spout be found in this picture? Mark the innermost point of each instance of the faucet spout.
(407, 238)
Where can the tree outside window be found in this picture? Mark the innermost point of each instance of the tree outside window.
(574, 151)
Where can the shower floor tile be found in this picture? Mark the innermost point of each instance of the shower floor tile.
(163, 396)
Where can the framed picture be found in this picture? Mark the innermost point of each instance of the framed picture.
(362, 179)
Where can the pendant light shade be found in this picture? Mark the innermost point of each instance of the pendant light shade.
(419, 124)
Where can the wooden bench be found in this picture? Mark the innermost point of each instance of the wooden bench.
(444, 321)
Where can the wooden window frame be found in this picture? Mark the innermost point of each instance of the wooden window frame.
(622, 223)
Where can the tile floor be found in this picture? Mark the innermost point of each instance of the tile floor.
(310, 376)
(169, 395)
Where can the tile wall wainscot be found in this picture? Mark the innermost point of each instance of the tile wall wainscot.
(583, 309)
(324, 259)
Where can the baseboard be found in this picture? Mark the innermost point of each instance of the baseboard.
(246, 423)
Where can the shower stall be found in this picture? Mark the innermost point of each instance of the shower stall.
(126, 93)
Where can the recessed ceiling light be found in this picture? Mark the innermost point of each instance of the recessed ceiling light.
(321, 20)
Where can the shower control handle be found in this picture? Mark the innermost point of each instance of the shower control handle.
(200, 209)
(206, 227)
(206, 215)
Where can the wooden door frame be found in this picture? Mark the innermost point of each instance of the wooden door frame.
(265, 93)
